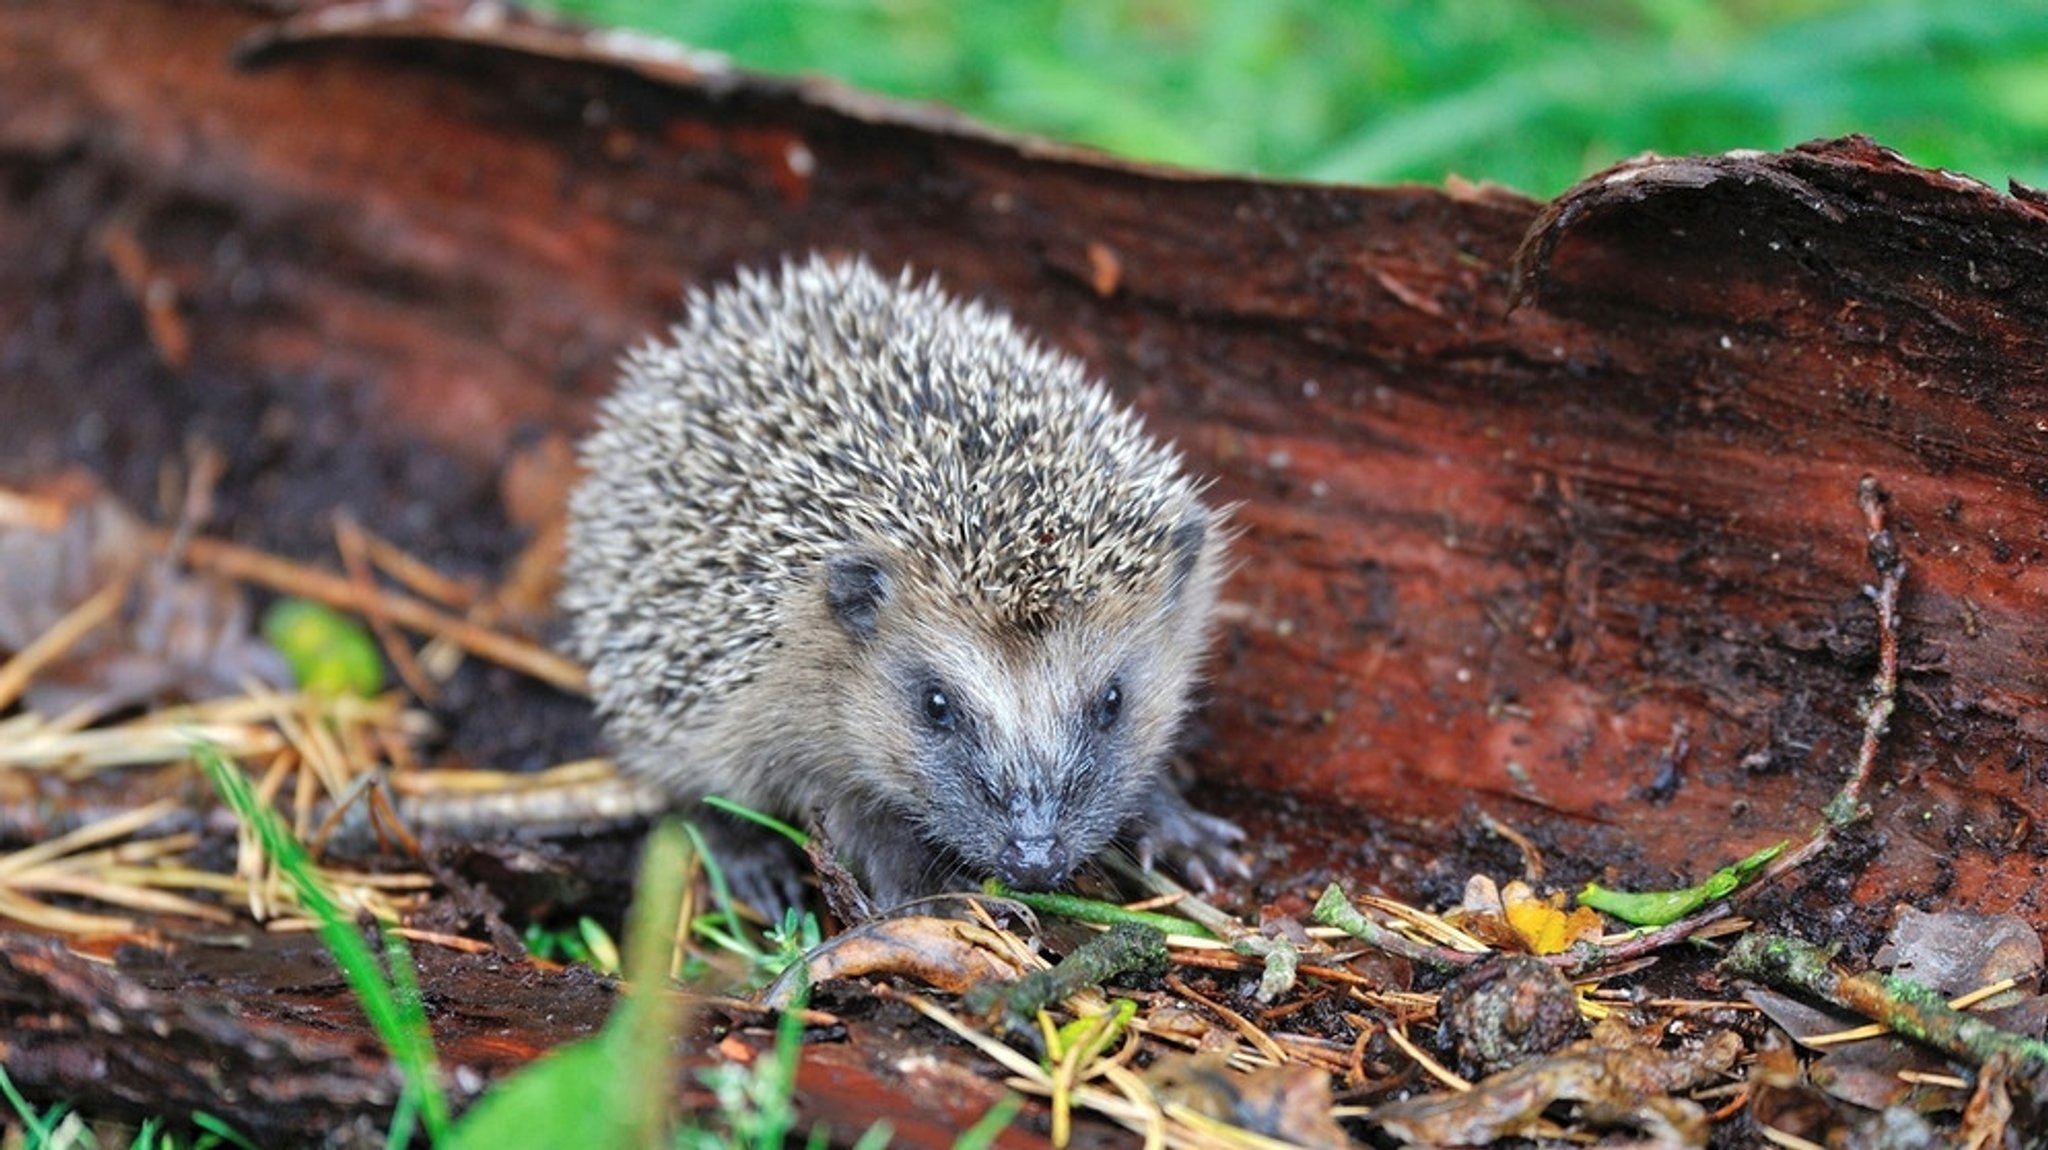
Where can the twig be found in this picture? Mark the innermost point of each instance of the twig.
(17, 673)
(1907, 1007)
(843, 894)
(1585, 956)
(1335, 909)
(1876, 1030)
(1186, 904)
(351, 541)
(278, 574)
(1847, 805)
(1259, 1039)
(1884, 686)
(1100, 913)
(1127, 947)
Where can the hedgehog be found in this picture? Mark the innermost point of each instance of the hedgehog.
(850, 551)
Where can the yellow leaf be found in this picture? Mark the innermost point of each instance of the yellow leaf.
(1543, 923)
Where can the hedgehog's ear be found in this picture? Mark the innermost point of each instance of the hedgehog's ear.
(856, 585)
(1188, 542)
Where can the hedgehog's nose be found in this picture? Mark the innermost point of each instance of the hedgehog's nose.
(1034, 863)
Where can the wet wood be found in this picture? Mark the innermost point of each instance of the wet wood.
(1548, 511)
(262, 1030)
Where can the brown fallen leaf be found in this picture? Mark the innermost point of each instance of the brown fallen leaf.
(947, 954)
(1790, 1111)
(1989, 1115)
(104, 619)
(1956, 952)
(1616, 1078)
(1290, 1101)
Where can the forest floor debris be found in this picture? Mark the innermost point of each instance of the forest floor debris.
(1212, 1030)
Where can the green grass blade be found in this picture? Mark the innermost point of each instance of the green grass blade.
(40, 1129)
(990, 1126)
(612, 1089)
(221, 1130)
(403, 1033)
(721, 803)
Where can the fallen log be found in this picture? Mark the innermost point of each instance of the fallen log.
(1549, 512)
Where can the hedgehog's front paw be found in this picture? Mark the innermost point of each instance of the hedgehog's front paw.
(761, 869)
(1196, 844)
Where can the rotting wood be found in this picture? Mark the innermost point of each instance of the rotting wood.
(299, 1048)
(1491, 557)
(1525, 490)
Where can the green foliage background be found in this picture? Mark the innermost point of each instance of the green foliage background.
(1528, 93)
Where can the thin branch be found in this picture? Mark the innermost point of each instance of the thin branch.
(1847, 805)
(336, 591)
(1907, 1007)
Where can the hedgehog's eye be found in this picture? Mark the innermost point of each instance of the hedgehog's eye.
(1109, 706)
(939, 710)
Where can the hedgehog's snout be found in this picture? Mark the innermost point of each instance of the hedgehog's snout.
(1035, 855)
(1037, 863)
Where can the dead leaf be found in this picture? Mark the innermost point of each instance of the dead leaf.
(1543, 924)
(1617, 1078)
(1956, 952)
(947, 954)
(170, 633)
(1290, 1102)
(1989, 1115)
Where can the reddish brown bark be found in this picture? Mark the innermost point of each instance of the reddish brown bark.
(1548, 512)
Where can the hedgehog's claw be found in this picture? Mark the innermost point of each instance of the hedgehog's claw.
(766, 882)
(1195, 844)
(760, 869)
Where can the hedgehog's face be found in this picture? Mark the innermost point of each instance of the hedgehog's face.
(1018, 756)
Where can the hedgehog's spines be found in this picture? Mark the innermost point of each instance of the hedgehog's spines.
(811, 453)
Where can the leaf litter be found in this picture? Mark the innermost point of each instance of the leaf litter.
(126, 644)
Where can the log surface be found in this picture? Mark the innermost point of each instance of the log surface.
(1548, 511)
